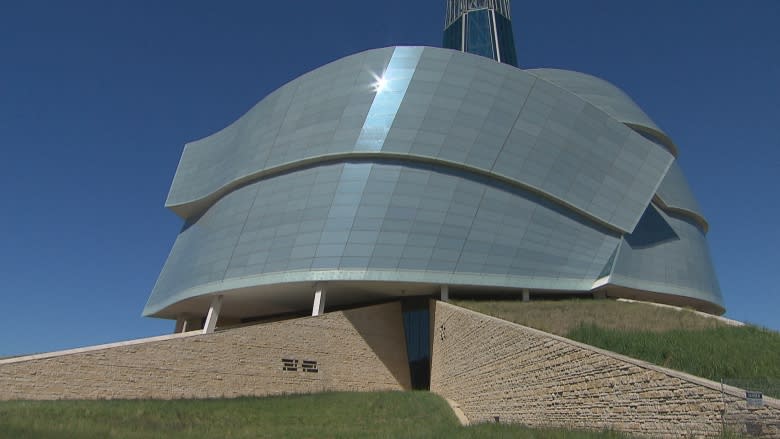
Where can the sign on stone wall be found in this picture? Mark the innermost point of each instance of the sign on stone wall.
(754, 399)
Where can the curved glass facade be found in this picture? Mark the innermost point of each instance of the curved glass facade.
(459, 171)
(610, 99)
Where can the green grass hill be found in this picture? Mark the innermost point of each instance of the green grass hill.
(746, 357)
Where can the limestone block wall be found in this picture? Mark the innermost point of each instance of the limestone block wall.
(356, 350)
(491, 367)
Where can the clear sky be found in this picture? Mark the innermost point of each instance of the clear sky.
(98, 98)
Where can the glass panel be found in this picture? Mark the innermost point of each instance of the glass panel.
(479, 37)
(506, 41)
(416, 317)
(453, 35)
(388, 98)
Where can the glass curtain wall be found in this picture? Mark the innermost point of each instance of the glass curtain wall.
(483, 32)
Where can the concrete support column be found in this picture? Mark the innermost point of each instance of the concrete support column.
(187, 322)
(192, 323)
(213, 315)
(318, 308)
(181, 324)
(445, 293)
(526, 295)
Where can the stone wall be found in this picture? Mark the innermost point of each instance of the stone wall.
(491, 367)
(357, 350)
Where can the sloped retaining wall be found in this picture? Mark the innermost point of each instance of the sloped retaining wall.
(357, 350)
(494, 368)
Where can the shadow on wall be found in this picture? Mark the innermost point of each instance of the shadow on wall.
(384, 334)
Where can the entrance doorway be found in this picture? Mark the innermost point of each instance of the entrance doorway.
(417, 324)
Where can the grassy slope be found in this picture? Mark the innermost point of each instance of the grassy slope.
(745, 357)
(562, 317)
(329, 415)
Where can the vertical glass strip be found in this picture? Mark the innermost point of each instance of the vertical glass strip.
(416, 317)
(390, 91)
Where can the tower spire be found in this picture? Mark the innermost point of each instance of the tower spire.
(481, 27)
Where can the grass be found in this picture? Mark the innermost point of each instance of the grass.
(328, 415)
(747, 357)
(562, 317)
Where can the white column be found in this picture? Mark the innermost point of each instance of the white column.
(181, 323)
(526, 295)
(445, 293)
(213, 315)
(318, 308)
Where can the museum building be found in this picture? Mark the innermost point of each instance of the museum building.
(417, 172)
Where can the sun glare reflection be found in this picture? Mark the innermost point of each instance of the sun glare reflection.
(381, 84)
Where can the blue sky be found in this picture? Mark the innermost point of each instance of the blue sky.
(97, 99)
